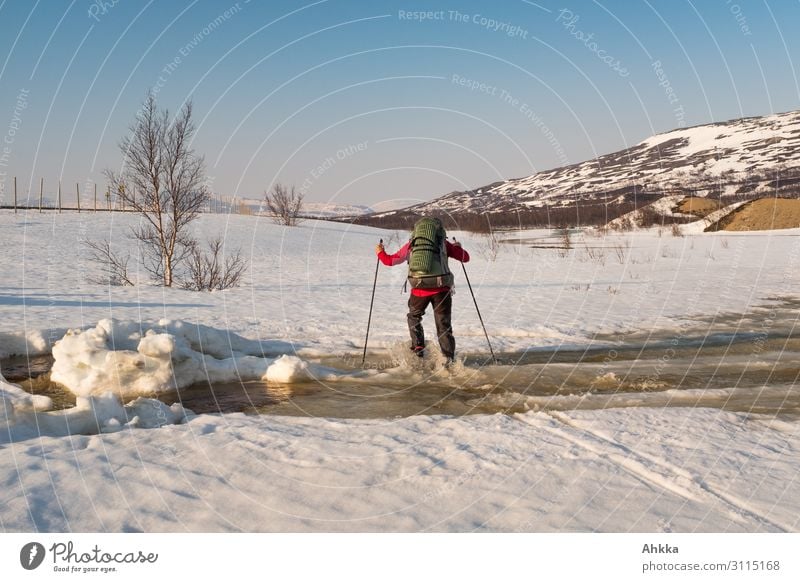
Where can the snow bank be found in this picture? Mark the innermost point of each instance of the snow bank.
(31, 342)
(13, 398)
(24, 416)
(701, 225)
(132, 359)
(663, 207)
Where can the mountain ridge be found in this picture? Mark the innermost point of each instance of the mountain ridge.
(735, 159)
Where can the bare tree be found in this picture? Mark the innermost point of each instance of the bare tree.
(490, 247)
(114, 266)
(284, 204)
(566, 237)
(163, 181)
(213, 271)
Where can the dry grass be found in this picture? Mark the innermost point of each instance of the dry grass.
(698, 206)
(765, 214)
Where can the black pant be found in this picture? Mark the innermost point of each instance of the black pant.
(442, 308)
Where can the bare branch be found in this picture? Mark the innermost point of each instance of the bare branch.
(114, 267)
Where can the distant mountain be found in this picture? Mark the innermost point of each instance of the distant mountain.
(736, 159)
(237, 205)
(331, 210)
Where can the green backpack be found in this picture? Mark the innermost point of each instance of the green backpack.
(427, 261)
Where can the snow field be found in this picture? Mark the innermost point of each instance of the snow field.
(307, 295)
(670, 470)
(307, 290)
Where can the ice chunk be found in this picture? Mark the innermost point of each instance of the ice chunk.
(13, 398)
(23, 416)
(287, 369)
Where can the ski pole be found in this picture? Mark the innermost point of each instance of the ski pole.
(369, 320)
(491, 351)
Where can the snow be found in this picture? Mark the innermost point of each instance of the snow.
(664, 207)
(308, 289)
(24, 417)
(699, 226)
(121, 357)
(655, 461)
(131, 359)
(14, 399)
(226, 205)
(287, 369)
(31, 342)
(735, 138)
(655, 470)
(332, 209)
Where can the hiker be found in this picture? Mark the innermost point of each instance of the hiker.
(431, 281)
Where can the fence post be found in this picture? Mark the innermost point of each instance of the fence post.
(59, 196)
(78, 195)
(15, 194)
(41, 191)
(95, 196)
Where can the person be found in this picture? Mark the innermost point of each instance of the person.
(431, 281)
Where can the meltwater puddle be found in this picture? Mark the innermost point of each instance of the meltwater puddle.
(735, 372)
(735, 364)
(737, 375)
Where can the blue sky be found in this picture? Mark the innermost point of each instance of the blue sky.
(366, 102)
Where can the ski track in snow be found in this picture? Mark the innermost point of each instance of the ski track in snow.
(656, 472)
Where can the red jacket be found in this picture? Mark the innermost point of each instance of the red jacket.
(401, 256)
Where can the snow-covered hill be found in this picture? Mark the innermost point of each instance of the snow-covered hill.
(332, 210)
(238, 205)
(742, 157)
